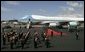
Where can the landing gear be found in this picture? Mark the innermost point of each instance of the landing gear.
(60, 27)
(73, 28)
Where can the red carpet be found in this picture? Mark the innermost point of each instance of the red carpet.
(55, 33)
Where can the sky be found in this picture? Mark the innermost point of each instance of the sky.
(19, 9)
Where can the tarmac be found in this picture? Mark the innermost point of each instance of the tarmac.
(67, 42)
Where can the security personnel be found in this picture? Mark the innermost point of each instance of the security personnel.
(47, 43)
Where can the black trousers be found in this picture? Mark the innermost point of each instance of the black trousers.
(11, 45)
(35, 45)
(4, 41)
(22, 44)
(47, 44)
(77, 37)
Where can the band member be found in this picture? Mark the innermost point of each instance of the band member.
(11, 42)
(35, 42)
(22, 43)
(16, 38)
(20, 35)
(35, 34)
(4, 39)
(44, 36)
(23, 40)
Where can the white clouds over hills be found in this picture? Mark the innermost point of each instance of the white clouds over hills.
(12, 2)
(75, 4)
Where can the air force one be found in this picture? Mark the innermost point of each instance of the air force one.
(56, 21)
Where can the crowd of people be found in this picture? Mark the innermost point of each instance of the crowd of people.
(13, 37)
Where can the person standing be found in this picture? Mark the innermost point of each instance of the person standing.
(23, 40)
(4, 39)
(77, 36)
(47, 43)
(20, 34)
(11, 42)
(35, 42)
(22, 43)
(42, 35)
(9, 35)
(16, 39)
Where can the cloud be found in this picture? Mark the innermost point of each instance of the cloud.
(70, 8)
(74, 4)
(67, 9)
(12, 2)
(72, 15)
(41, 10)
(75, 9)
(5, 9)
(71, 12)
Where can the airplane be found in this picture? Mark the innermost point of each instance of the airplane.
(55, 21)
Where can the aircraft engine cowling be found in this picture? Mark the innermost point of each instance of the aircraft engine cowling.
(73, 23)
(53, 24)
